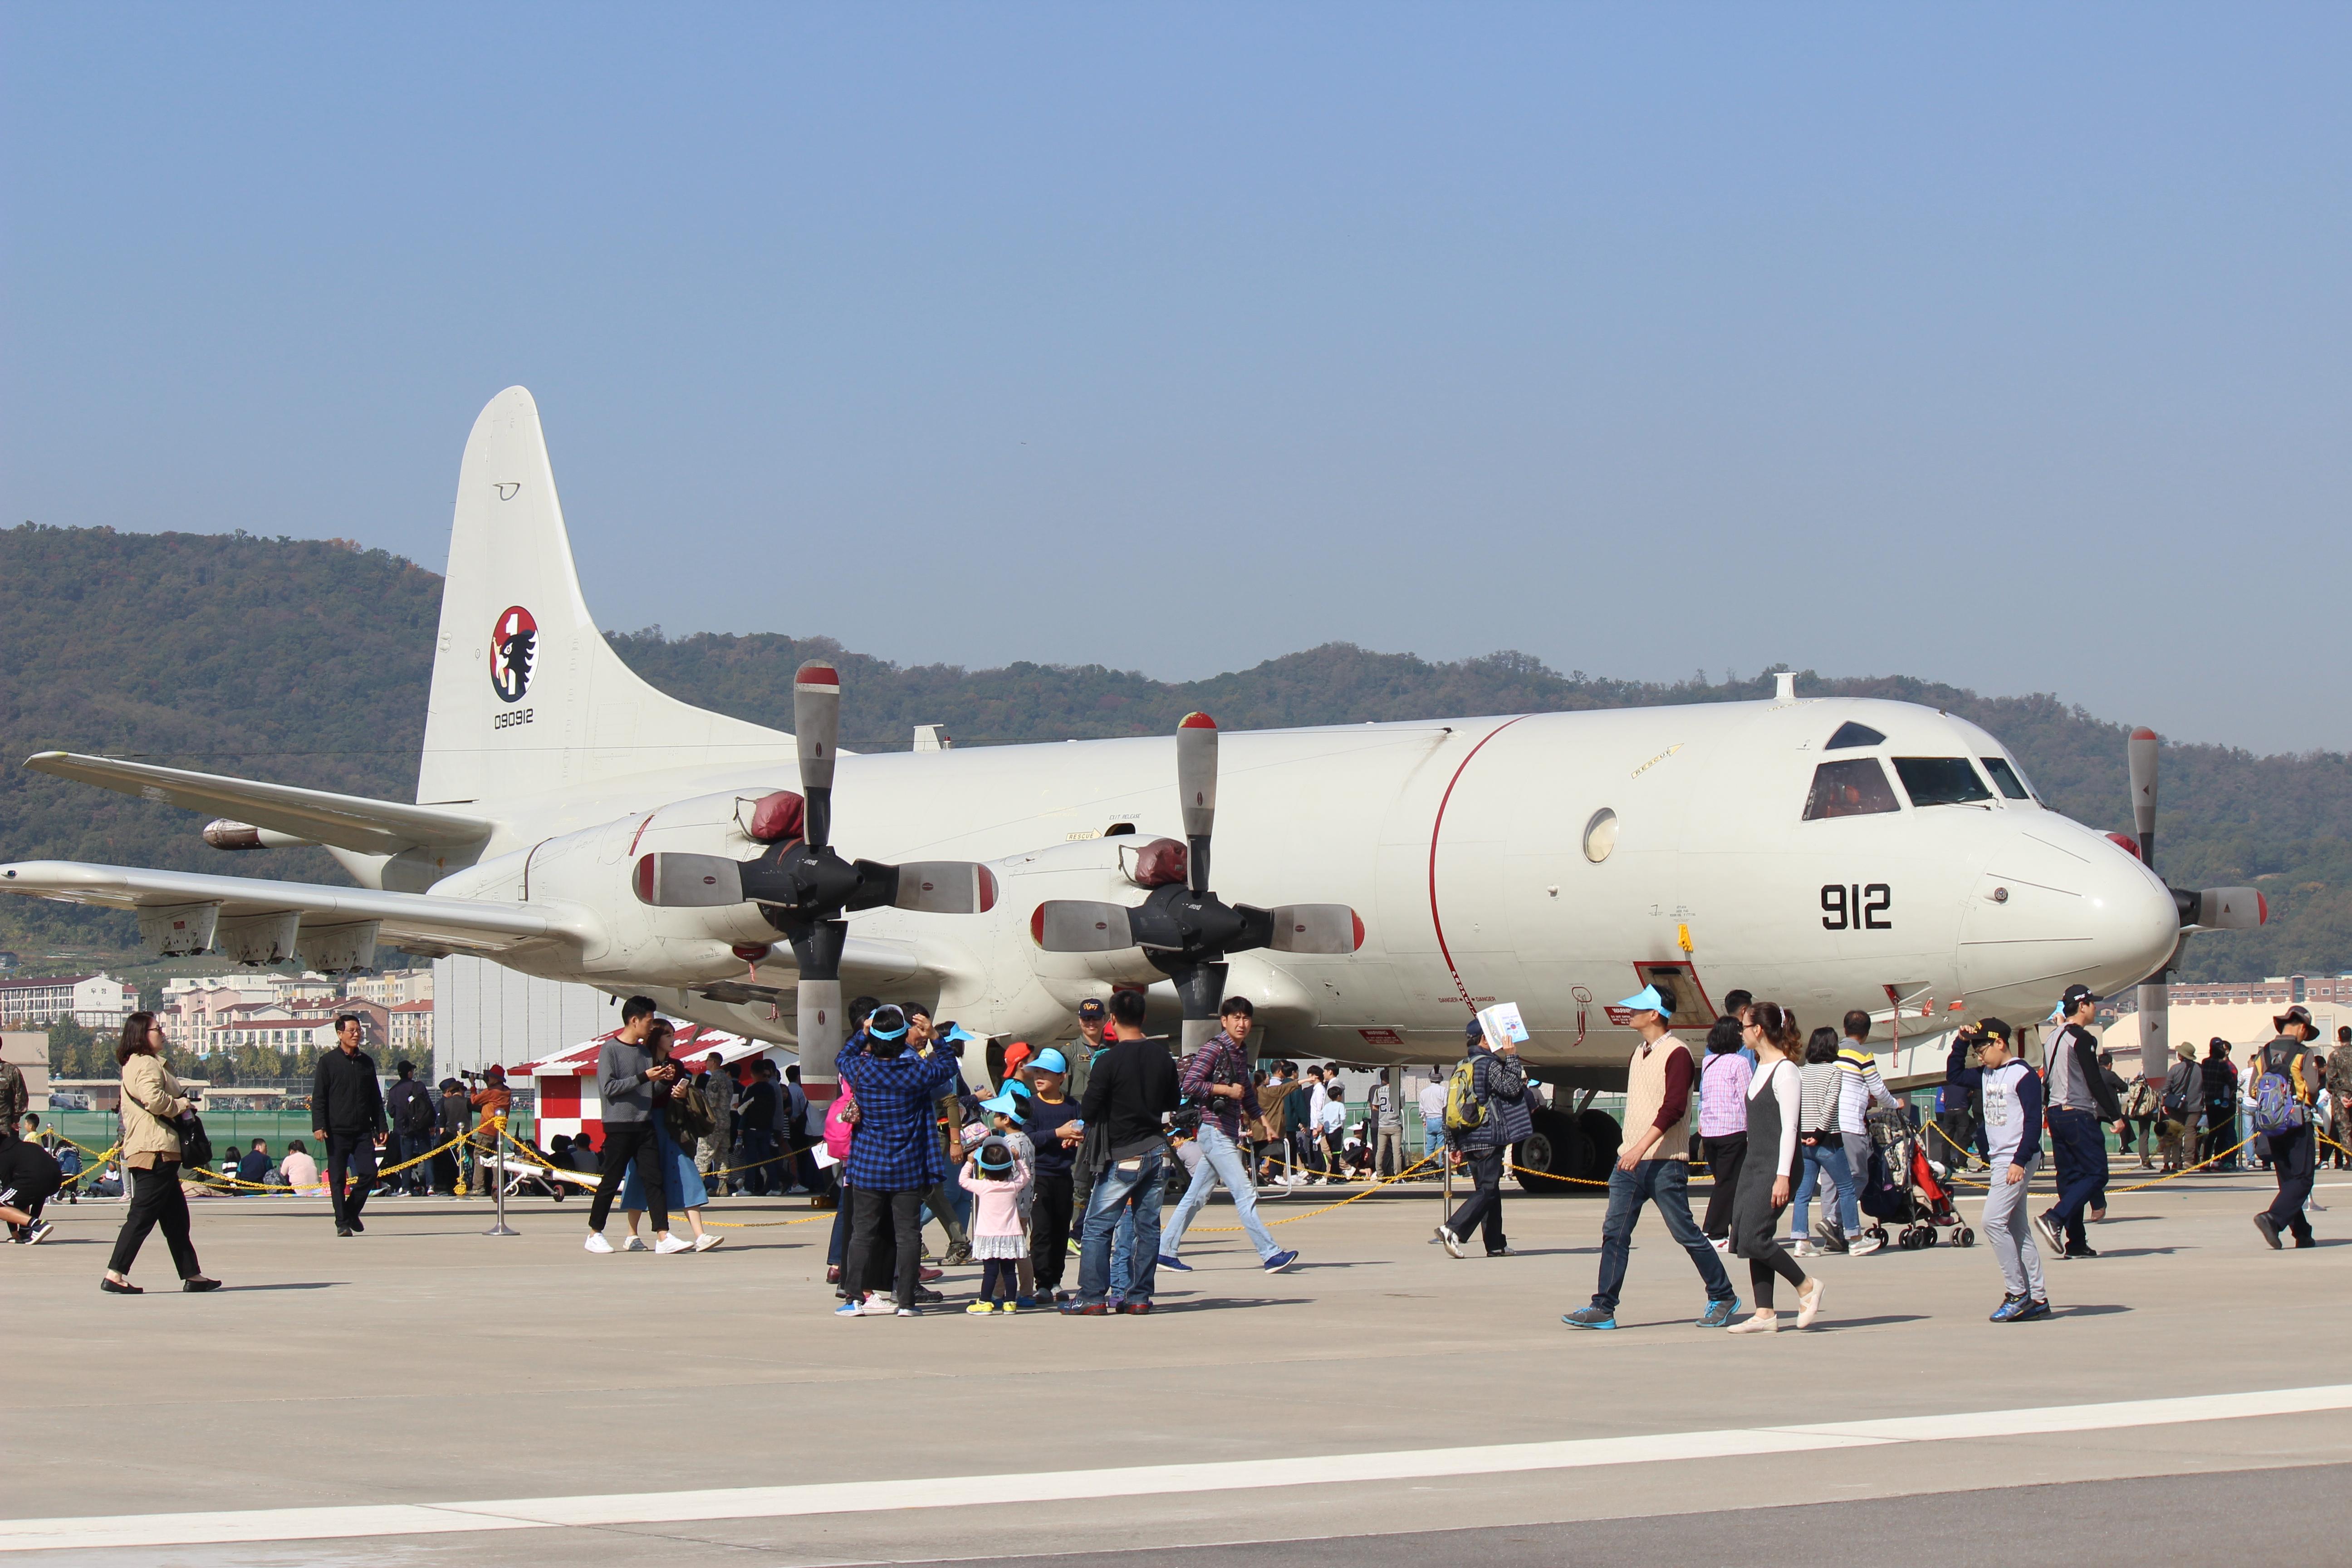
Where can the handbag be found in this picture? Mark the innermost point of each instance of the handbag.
(195, 1144)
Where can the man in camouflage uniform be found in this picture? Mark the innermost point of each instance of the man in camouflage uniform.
(2339, 1093)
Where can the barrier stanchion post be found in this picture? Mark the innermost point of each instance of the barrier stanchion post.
(498, 1225)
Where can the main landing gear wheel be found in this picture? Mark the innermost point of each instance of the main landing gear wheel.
(1551, 1156)
(1601, 1135)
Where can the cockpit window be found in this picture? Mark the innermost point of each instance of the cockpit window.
(1940, 780)
(1855, 788)
(1853, 734)
(2006, 777)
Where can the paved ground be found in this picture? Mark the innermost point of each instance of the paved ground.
(424, 1364)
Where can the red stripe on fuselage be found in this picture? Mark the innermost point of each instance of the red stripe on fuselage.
(1436, 826)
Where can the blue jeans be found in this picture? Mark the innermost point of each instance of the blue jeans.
(1129, 1187)
(1221, 1161)
(2081, 1147)
(1827, 1157)
(1122, 1257)
(410, 1146)
(1665, 1183)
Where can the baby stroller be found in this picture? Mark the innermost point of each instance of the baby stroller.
(1902, 1189)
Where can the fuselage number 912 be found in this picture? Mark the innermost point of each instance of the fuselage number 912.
(1863, 906)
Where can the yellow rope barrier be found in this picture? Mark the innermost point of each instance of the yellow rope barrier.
(1327, 1208)
(533, 1155)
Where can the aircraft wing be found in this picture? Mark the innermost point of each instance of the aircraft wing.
(345, 821)
(249, 911)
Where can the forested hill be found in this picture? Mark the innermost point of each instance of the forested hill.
(306, 660)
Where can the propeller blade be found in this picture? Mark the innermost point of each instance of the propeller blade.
(1201, 990)
(1196, 791)
(946, 887)
(2231, 909)
(1080, 925)
(817, 1029)
(1315, 928)
(672, 881)
(816, 726)
(2141, 754)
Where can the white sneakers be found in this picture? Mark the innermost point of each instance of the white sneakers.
(597, 1243)
(1448, 1240)
(1864, 1247)
(1720, 1243)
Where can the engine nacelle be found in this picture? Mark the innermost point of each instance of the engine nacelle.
(592, 869)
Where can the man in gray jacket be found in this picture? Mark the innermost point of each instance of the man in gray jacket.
(625, 1078)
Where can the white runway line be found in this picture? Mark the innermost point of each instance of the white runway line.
(1058, 1486)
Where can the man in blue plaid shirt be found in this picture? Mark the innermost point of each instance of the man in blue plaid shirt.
(895, 1156)
(1216, 1082)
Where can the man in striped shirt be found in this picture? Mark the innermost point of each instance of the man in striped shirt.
(1859, 1088)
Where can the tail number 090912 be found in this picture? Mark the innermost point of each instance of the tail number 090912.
(1863, 906)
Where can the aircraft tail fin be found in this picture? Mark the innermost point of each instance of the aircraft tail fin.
(526, 695)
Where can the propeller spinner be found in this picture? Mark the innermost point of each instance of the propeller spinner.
(801, 884)
(1184, 928)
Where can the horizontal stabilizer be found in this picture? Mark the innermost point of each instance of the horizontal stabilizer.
(344, 821)
(248, 904)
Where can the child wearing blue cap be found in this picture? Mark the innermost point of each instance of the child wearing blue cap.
(1007, 1115)
(999, 1237)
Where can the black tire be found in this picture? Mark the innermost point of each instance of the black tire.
(1966, 1238)
(1550, 1155)
(1601, 1137)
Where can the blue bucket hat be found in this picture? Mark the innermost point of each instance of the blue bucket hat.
(1647, 1000)
(1051, 1060)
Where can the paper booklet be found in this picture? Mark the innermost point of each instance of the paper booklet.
(1502, 1022)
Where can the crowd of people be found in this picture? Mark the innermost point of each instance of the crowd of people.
(1079, 1149)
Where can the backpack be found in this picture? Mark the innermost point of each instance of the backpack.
(841, 1123)
(2279, 1099)
(413, 1115)
(1464, 1111)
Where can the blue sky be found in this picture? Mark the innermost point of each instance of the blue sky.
(2010, 346)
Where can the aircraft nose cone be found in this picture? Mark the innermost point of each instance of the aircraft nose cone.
(2059, 905)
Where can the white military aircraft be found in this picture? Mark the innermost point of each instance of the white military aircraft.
(570, 822)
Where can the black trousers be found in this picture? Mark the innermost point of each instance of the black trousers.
(1723, 1158)
(628, 1143)
(355, 1153)
(904, 1211)
(1484, 1206)
(2293, 1161)
(156, 1199)
(1049, 1229)
(757, 1152)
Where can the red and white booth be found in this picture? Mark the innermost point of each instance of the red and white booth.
(566, 1082)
